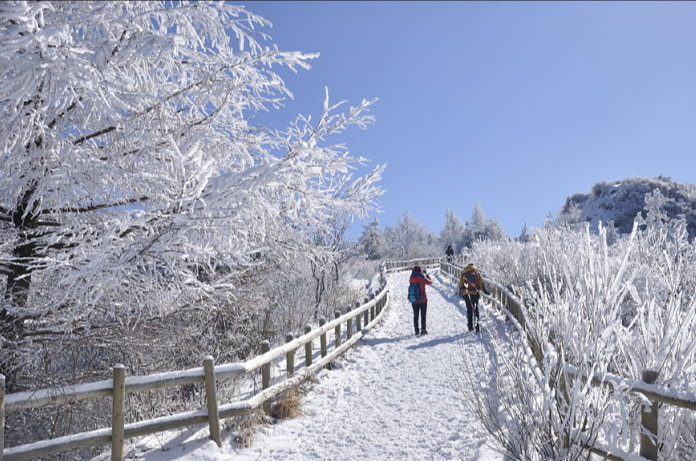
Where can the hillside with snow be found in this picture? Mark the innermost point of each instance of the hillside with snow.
(621, 201)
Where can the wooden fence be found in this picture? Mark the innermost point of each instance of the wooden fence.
(357, 320)
(398, 266)
(514, 311)
(348, 328)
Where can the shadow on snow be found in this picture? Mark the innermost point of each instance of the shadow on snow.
(438, 340)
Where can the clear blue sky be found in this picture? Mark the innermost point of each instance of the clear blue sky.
(515, 105)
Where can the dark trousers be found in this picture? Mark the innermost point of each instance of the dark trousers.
(422, 309)
(472, 309)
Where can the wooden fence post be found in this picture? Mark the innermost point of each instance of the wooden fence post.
(308, 347)
(290, 356)
(367, 313)
(337, 331)
(373, 309)
(349, 324)
(358, 326)
(266, 374)
(322, 338)
(648, 421)
(211, 400)
(117, 416)
(266, 369)
(2, 415)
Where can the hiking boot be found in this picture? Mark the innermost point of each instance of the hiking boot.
(417, 332)
(424, 332)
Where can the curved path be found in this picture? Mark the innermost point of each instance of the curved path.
(394, 397)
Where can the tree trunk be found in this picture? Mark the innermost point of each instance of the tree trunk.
(16, 295)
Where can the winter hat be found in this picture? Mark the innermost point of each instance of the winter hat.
(417, 269)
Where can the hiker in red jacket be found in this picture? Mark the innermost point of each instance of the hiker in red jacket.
(420, 277)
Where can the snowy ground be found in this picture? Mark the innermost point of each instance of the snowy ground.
(393, 397)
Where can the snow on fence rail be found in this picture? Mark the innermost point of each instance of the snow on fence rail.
(397, 266)
(357, 320)
(513, 309)
(371, 311)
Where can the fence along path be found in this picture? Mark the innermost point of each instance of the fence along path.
(342, 332)
(514, 309)
(395, 397)
(345, 330)
(371, 311)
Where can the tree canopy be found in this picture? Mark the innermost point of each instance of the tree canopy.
(130, 173)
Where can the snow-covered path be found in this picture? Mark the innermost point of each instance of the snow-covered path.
(393, 397)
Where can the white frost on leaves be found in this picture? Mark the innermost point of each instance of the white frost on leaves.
(128, 162)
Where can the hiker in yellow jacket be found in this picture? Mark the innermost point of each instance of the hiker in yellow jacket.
(470, 284)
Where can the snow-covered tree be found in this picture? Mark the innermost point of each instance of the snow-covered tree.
(478, 218)
(131, 179)
(331, 252)
(371, 241)
(452, 232)
(410, 239)
(524, 236)
(481, 228)
(654, 203)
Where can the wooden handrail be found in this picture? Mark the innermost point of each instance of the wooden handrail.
(654, 392)
(514, 310)
(372, 310)
(67, 394)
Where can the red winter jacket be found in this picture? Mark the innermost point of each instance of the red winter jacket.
(422, 280)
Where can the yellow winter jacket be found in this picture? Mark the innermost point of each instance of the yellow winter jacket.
(466, 287)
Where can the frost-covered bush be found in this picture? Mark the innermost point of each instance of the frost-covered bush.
(606, 310)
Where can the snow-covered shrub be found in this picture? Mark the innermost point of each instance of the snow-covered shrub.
(605, 310)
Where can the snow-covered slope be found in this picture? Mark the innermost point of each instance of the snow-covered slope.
(621, 201)
(393, 397)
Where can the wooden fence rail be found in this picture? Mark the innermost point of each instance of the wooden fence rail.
(368, 314)
(397, 266)
(373, 310)
(514, 310)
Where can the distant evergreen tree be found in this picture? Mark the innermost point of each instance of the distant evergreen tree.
(371, 242)
(524, 235)
(481, 228)
(654, 203)
(409, 239)
(452, 232)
